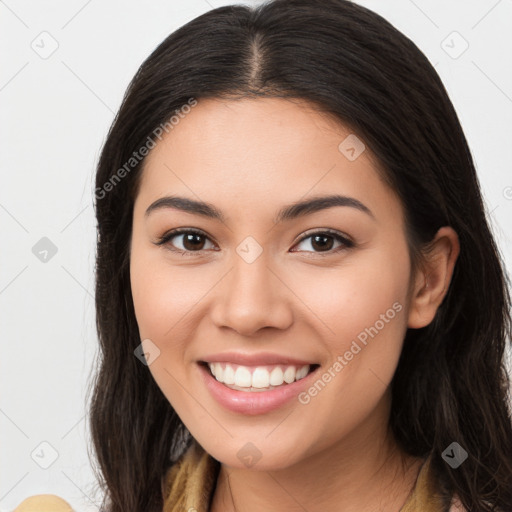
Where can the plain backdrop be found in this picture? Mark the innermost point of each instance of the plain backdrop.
(64, 68)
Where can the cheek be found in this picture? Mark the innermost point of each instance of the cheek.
(352, 297)
(163, 296)
(362, 309)
(363, 305)
(163, 300)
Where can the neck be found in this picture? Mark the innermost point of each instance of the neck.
(363, 472)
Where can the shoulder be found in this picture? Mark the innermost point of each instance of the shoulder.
(44, 503)
(188, 484)
(456, 506)
(427, 496)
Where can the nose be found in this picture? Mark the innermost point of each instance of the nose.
(252, 296)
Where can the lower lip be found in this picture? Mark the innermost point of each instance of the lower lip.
(257, 402)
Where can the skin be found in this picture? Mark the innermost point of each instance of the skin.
(249, 158)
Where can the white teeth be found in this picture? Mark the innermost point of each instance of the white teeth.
(289, 374)
(219, 372)
(302, 372)
(276, 377)
(229, 375)
(257, 378)
(243, 377)
(260, 378)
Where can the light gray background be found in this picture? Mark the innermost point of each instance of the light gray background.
(56, 110)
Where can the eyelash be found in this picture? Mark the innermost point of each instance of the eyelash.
(167, 237)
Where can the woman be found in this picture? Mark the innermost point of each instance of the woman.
(299, 301)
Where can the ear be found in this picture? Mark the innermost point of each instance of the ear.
(433, 280)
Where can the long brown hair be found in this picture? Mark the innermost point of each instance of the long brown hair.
(451, 384)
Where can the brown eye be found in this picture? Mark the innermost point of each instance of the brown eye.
(191, 241)
(323, 242)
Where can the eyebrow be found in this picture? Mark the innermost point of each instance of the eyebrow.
(289, 212)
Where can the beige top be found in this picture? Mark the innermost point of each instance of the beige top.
(189, 484)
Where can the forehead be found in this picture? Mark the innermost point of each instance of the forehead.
(257, 152)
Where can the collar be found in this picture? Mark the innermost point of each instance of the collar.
(190, 482)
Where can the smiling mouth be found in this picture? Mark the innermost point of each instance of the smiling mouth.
(257, 378)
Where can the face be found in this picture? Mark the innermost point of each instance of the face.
(259, 293)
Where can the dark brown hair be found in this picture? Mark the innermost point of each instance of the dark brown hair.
(451, 383)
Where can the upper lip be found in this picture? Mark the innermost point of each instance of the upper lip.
(261, 358)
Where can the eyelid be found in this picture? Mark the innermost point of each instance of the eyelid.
(326, 231)
(169, 235)
(341, 237)
(345, 240)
